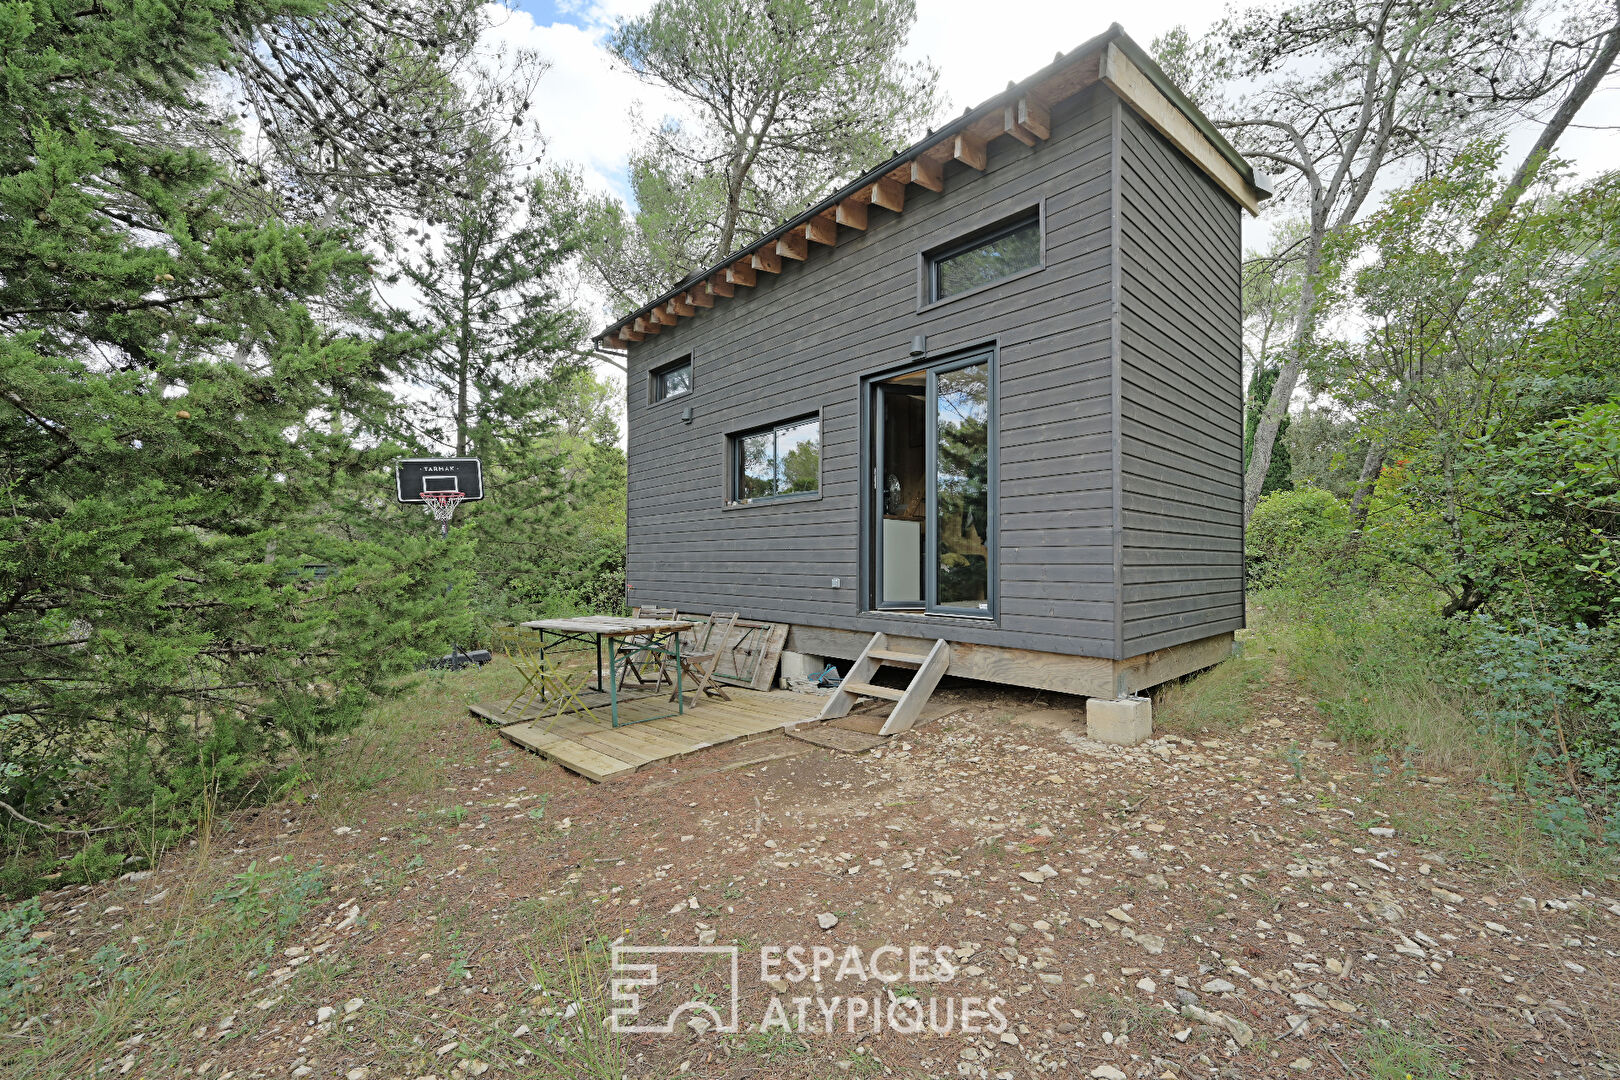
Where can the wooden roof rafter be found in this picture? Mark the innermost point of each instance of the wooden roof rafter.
(1022, 112)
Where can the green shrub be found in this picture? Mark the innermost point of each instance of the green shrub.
(17, 946)
(1290, 530)
(1553, 694)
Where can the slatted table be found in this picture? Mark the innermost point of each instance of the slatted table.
(662, 636)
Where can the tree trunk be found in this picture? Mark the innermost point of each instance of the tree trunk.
(1562, 117)
(1360, 503)
(1282, 391)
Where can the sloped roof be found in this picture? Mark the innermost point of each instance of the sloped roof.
(1020, 112)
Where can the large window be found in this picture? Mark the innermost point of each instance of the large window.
(1007, 249)
(776, 462)
(671, 380)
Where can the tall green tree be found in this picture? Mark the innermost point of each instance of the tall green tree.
(551, 535)
(1508, 464)
(485, 296)
(1333, 94)
(783, 100)
(363, 108)
(188, 580)
(1279, 477)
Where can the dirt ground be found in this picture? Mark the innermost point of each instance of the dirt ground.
(1252, 902)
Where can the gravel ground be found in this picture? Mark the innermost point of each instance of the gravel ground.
(1255, 903)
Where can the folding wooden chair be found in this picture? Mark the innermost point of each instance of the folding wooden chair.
(546, 682)
(699, 664)
(635, 655)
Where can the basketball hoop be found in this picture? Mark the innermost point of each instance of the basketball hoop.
(442, 506)
(439, 484)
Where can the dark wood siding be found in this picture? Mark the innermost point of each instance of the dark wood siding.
(800, 343)
(1120, 438)
(1181, 398)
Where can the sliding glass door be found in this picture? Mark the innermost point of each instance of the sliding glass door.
(932, 526)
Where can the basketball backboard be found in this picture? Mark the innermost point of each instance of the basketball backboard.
(413, 476)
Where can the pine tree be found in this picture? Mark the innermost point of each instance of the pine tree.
(172, 479)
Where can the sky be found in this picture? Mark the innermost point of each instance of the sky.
(587, 106)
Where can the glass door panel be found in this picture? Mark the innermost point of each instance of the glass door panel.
(960, 516)
(903, 491)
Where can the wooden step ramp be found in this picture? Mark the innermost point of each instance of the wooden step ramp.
(928, 669)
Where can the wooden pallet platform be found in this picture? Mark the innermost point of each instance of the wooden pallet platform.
(598, 751)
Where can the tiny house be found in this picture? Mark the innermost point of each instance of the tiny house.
(989, 393)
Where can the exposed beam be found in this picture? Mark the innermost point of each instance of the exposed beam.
(679, 306)
(648, 325)
(852, 213)
(969, 149)
(1034, 117)
(889, 194)
(628, 335)
(928, 174)
(741, 273)
(1010, 125)
(660, 316)
(700, 298)
(767, 260)
(823, 229)
(793, 246)
(719, 286)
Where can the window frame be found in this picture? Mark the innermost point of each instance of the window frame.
(1002, 224)
(732, 476)
(871, 558)
(656, 373)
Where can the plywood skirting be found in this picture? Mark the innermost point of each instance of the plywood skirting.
(1086, 676)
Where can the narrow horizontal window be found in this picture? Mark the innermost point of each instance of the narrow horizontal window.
(778, 461)
(1005, 250)
(671, 380)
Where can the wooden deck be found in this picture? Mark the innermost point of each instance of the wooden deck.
(600, 752)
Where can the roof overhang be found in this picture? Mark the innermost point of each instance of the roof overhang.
(1021, 112)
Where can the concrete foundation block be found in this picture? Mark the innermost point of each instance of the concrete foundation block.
(801, 666)
(1125, 721)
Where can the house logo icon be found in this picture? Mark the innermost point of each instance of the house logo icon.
(636, 975)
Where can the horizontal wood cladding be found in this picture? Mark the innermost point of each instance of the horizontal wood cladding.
(800, 342)
(1137, 295)
(1181, 399)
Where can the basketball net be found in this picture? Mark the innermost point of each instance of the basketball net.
(441, 505)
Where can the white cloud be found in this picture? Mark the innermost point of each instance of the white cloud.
(585, 103)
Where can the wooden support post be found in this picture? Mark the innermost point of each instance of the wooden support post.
(700, 298)
(852, 213)
(822, 229)
(719, 286)
(793, 246)
(741, 273)
(970, 150)
(928, 174)
(768, 260)
(889, 194)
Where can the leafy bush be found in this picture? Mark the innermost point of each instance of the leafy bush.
(16, 947)
(1553, 694)
(1291, 529)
